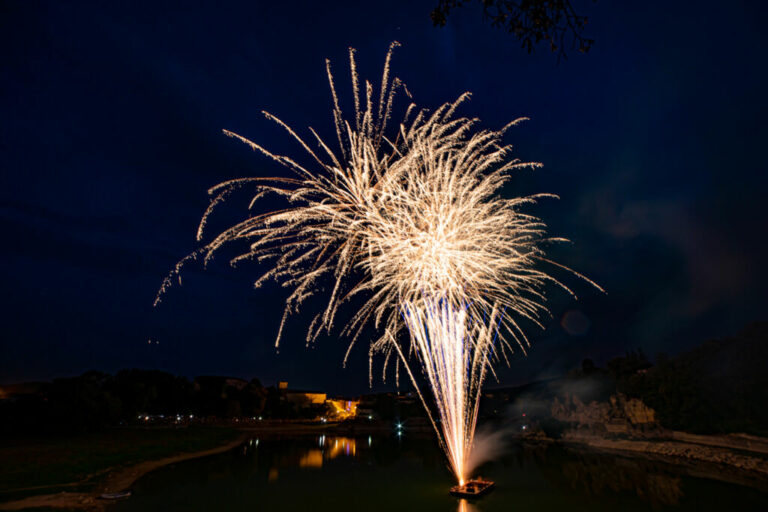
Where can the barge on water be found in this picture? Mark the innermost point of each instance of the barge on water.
(473, 488)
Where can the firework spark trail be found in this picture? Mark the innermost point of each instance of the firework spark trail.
(447, 348)
(417, 221)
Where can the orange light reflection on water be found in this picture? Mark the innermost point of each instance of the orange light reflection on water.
(342, 446)
(328, 449)
(465, 506)
(312, 459)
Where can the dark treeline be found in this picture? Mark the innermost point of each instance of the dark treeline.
(720, 386)
(95, 400)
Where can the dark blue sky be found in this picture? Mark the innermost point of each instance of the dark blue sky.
(110, 136)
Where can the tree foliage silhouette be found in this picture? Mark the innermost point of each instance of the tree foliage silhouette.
(530, 21)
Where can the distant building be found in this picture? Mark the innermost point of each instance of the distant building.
(301, 398)
(405, 398)
(341, 408)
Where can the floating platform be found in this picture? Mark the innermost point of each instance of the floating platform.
(473, 488)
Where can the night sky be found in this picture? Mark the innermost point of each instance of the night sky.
(110, 136)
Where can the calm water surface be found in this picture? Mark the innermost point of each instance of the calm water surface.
(326, 473)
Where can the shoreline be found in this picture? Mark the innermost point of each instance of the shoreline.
(115, 481)
(119, 479)
(706, 457)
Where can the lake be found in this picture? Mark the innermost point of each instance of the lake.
(370, 473)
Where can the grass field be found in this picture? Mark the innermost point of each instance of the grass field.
(37, 465)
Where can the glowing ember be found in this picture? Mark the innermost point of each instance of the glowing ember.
(413, 224)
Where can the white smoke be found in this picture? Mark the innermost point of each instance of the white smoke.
(489, 444)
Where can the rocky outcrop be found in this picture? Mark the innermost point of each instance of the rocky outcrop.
(627, 425)
(573, 410)
(636, 411)
(619, 415)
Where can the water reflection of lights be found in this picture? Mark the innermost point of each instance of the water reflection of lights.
(369, 440)
(251, 445)
(342, 445)
(465, 506)
(333, 448)
(312, 459)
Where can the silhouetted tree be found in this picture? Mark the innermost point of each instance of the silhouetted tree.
(253, 399)
(720, 386)
(79, 404)
(630, 364)
(152, 392)
(530, 22)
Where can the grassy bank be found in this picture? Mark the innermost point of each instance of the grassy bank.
(42, 465)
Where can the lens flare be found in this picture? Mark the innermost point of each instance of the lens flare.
(414, 225)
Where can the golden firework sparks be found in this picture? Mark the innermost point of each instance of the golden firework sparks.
(415, 225)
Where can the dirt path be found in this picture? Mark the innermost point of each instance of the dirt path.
(115, 481)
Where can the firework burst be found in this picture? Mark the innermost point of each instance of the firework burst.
(415, 226)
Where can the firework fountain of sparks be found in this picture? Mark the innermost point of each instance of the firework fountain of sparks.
(413, 224)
